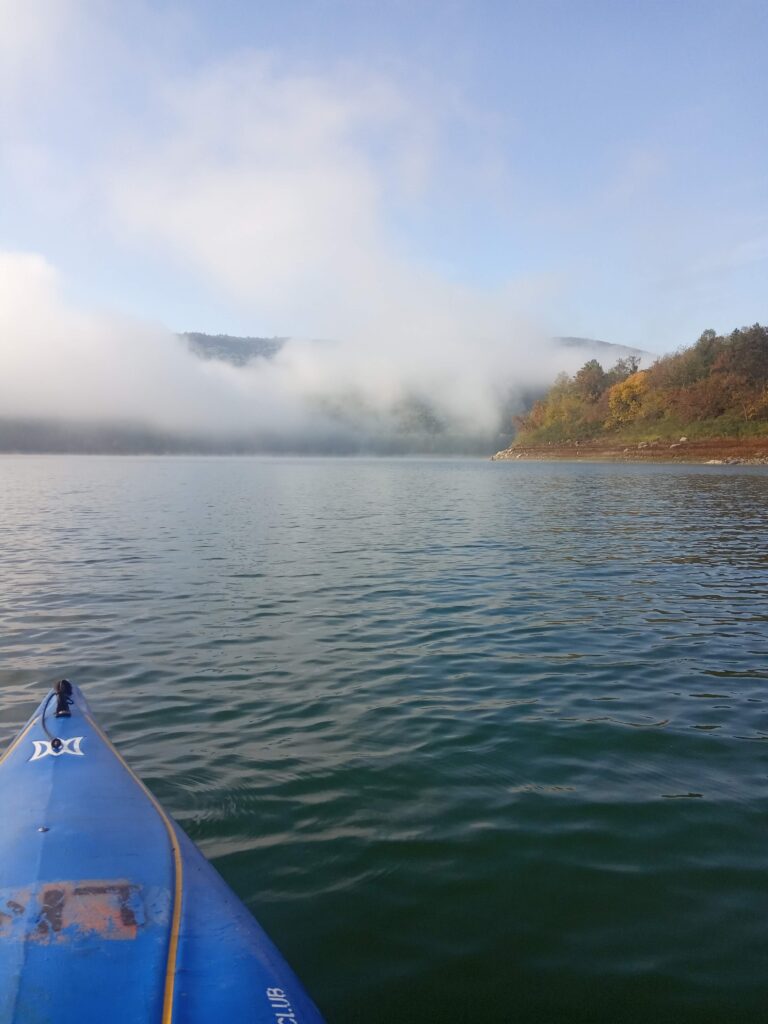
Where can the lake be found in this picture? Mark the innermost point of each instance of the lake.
(474, 741)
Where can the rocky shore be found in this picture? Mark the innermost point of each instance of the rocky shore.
(723, 451)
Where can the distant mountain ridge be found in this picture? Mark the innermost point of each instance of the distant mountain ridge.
(228, 348)
(240, 351)
(608, 348)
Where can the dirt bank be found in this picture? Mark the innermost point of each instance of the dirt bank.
(751, 451)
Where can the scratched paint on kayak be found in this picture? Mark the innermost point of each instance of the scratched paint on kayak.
(107, 909)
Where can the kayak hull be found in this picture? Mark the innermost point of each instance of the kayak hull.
(108, 911)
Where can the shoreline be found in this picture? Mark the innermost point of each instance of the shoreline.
(722, 451)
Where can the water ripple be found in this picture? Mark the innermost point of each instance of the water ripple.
(471, 739)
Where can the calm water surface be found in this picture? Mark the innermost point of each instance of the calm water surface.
(474, 741)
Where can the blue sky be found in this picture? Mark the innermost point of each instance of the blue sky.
(594, 168)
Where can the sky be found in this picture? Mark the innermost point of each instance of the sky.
(437, 178)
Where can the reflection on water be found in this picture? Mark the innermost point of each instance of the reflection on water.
(471, 739)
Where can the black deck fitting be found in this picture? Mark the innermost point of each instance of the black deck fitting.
(63, 691)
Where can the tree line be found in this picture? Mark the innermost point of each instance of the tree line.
(717, 387)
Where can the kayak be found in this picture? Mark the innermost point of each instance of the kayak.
(109, 913)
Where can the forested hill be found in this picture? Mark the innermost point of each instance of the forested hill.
(716, 388)
(228, 349)
(237, 351)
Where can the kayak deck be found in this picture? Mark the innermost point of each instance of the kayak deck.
(108, 911)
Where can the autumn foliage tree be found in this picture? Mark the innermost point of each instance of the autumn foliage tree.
(625, 399)
(716, 387)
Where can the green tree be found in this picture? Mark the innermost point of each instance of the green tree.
(590, 382)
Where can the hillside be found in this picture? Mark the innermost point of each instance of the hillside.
(229, 349)
(716, 388)
(239, 351)
(603, 349)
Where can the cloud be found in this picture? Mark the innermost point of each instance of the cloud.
(61, 362)
(279, 188)
(30, 36)
(282, 191)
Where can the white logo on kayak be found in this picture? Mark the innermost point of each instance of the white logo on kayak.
(44, 747)
(281, 1007)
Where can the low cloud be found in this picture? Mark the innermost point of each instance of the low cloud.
(283, 194)
(60, 362)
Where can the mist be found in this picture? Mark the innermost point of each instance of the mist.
(429, 381)
(290, 198)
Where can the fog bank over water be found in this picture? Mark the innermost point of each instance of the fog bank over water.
(371, 207)
(441, 381)
(322, 201)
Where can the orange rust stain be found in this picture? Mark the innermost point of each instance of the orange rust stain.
(11, 909)
(63, 911)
